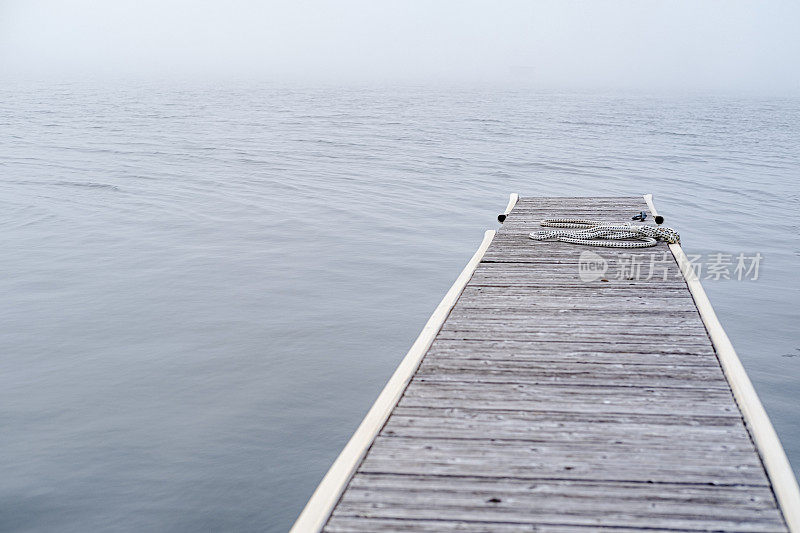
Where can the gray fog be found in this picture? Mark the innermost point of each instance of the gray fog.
(664, 46)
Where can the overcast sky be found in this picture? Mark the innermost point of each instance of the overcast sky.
(692, 45)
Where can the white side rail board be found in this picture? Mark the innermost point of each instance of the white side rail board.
(513, 198)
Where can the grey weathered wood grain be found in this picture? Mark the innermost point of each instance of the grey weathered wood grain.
(592, 293)
(551, 403)
(586, 351)
(487, 371)
(481, 504)
(568, 398)
(623, 306)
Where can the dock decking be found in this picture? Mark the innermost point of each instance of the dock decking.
(545, 402)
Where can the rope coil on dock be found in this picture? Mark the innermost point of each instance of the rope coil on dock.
(593, 233)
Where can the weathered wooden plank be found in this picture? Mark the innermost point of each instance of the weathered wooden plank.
(629, 339)
(550, 346)
(360, 522)
(521, 243)
(641, 332)
(622, 212)
(341, 523)
(573, 357)
(563, 280)
(524, 272)
(524, 372)
(577, 200)
(590, 293)
(533, 220)
(617, 493)
(562, 314)
(625, 342)
(615, 259)
(598, 459)
(497, 348)
(525, 319)
(491, 502)
(521, 274)
(566, 398)
(610, 431)
(477, 317)
(564, 209)
(525, 416)
(534, 217)
(614, 266)
(593, 295)
(597, 328)
(620, 305)
(573, 210)
(450, 369)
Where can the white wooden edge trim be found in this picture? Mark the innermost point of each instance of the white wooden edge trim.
(513, 198)
(319, 508)
(769, 446)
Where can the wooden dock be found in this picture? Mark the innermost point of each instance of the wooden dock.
(538, 400)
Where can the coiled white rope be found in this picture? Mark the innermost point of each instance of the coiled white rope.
(593, 233)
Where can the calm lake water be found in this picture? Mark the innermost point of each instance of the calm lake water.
(204, 288)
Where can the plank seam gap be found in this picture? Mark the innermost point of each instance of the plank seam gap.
(566, 479)
(537, 523)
